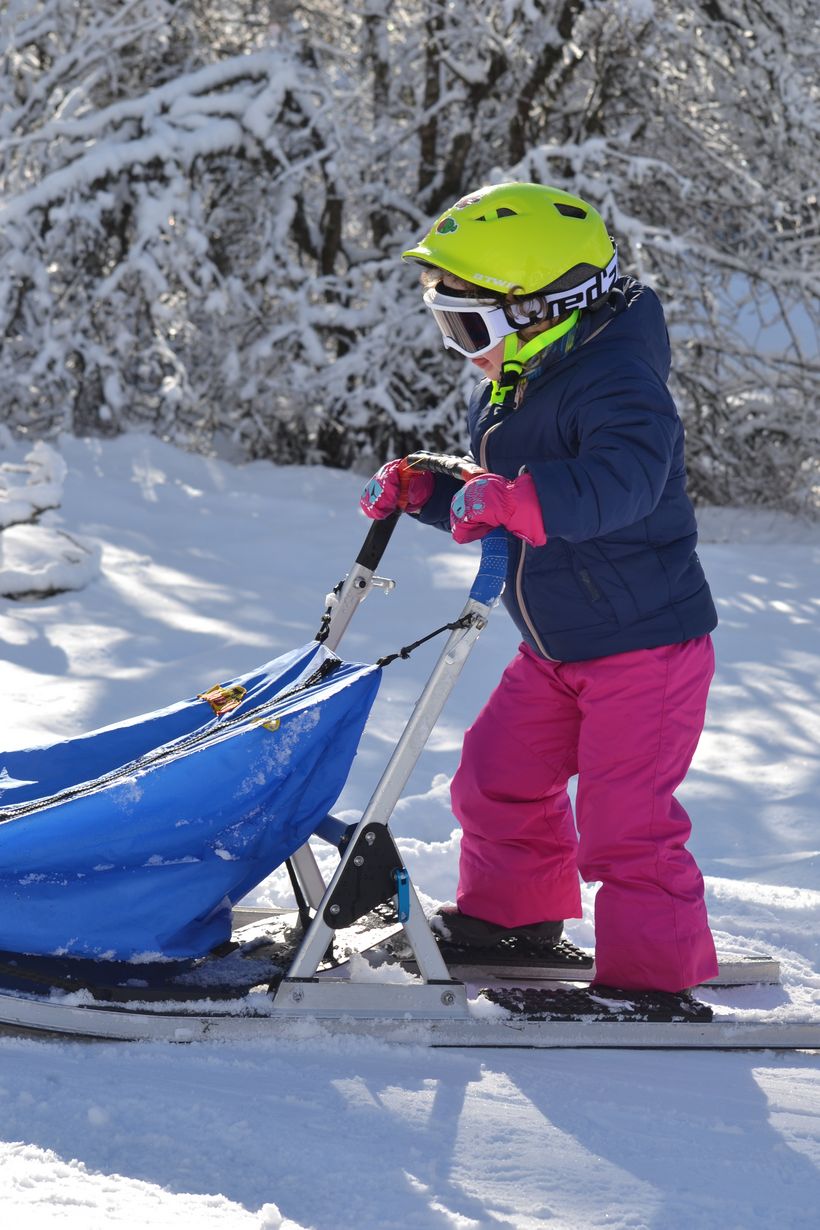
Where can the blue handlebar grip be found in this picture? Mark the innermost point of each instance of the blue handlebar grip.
(492, 571)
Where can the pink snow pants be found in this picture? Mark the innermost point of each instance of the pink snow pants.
(628, 725)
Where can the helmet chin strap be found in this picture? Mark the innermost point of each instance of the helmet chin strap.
(516, 356)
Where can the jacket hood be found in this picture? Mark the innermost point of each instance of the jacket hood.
(631, 322)
(636, 324)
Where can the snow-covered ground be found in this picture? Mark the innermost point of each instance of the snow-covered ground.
(180, 571)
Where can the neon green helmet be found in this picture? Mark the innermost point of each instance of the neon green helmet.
(524, 239)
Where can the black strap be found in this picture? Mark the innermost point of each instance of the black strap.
(324, 627)
(463, 622)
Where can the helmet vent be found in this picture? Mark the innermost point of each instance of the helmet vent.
(501, 212)
(569, 211)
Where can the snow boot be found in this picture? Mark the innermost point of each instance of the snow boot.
(465, 931)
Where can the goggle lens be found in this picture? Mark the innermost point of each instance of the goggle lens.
(466, 330)
(470, 327)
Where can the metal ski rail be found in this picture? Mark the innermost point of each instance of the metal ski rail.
(371, 871)
(235, 1022)
(343, 603)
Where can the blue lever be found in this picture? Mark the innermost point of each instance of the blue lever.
(402, 894)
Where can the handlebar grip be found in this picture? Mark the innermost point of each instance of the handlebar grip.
(493, 568)
(492, 571)
(375, 544)
(461, 468)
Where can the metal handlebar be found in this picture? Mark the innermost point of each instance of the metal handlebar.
(492, 572)
(460, 468)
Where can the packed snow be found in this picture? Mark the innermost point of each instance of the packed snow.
(136, 575)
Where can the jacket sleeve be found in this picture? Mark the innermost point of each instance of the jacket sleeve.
(626, 438)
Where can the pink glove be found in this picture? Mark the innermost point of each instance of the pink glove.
(381, 496)
(491, 500)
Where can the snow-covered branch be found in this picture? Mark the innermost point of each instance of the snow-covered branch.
(202, 211)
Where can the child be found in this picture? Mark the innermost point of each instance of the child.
(585, 457)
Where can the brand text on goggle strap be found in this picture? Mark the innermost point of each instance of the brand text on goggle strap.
(596, 287)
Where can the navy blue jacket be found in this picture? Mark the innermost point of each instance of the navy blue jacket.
(599, 432)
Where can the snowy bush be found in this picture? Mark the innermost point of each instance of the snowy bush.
(30, 484)
(203, 205)
(37, 558)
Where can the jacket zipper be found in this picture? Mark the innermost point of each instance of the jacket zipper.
(482, 452)
(519, 595)
(519, 572)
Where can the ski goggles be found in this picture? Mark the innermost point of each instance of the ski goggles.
(470, 326)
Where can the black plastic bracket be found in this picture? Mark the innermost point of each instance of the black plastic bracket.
(368, 878)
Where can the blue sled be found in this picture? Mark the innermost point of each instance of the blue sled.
(133, 842)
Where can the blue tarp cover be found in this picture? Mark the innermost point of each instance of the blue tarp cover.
(172, 817)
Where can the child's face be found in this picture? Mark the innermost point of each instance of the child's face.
(490, 363)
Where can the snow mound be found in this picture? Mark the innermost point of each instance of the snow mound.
(40, 560)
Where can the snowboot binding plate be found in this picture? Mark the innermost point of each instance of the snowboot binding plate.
(598, 1003)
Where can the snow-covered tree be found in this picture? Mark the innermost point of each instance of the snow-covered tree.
(202, 208)
(711, 191)
(131, 231)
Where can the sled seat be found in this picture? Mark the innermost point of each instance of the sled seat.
(187, 810)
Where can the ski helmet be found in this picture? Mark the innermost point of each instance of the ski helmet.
(524, 239)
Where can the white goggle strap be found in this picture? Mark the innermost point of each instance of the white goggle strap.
(585, 294)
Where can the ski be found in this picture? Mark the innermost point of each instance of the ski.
(574, 1020)
(244, 992)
